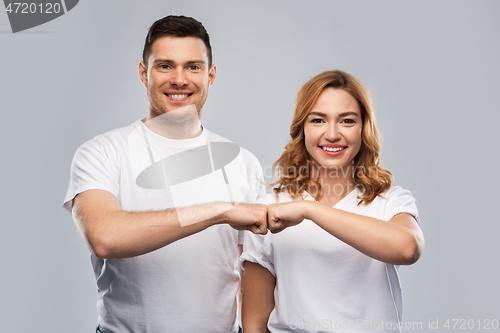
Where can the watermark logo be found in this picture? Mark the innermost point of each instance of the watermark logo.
(201, 170)
(26, 15)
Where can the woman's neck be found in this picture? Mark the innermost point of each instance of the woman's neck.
(336, 183)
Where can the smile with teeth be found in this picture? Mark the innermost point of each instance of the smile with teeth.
(333, 149)
(178, 96)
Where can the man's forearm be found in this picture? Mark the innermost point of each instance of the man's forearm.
(113, 233)
(127, 234)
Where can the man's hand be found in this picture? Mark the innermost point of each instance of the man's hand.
(251, 217)
(283, 215)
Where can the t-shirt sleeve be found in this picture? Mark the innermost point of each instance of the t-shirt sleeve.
(92, 168)
(258, 248)
(399, 201)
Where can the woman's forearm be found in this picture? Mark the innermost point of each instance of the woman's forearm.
(398, 241)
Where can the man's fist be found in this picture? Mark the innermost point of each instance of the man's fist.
(251, 217)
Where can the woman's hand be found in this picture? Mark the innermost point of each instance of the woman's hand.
(283, 215)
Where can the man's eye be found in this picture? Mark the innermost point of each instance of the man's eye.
(194, 67)
(164, 66)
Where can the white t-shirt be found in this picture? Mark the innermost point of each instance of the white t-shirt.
(190, 285)
(325, 285)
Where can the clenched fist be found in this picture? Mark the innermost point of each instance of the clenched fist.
(283, 215)
(251, 217)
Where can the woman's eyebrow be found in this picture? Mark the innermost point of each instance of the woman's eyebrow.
(348, 113)
(316, 113)
(343, 114)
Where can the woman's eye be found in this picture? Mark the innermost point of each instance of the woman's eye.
(348, 121)
(317, 120)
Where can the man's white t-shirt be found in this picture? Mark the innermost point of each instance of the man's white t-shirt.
(325, 285)
(190, 285)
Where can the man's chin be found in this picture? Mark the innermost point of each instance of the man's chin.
(181, 114)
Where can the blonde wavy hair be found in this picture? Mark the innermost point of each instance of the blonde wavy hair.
(294, 165)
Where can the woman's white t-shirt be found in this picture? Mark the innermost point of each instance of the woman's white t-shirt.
(325, 285)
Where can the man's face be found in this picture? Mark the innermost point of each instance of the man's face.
(177, 74)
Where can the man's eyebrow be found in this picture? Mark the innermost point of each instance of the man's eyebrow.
(157, 61)
(168, 61)
(197, 62)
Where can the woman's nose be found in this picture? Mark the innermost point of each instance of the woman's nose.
(332, 133)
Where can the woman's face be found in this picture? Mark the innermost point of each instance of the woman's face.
(333, 129)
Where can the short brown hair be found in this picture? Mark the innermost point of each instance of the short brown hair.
(176, 26)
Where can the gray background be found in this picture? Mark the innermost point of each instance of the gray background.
(432, 67)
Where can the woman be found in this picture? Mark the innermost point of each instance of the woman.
(335, 268)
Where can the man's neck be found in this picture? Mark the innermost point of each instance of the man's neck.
(179, 124)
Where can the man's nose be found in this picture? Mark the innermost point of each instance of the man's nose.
(179, 77)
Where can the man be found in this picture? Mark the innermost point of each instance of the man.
(159, 202)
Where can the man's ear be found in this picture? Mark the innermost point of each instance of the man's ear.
(143, 73)
(212, 73)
